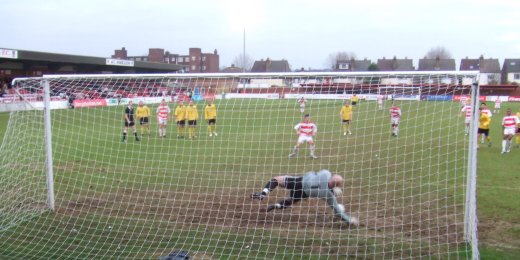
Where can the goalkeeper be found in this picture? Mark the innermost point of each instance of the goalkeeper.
(322, 184)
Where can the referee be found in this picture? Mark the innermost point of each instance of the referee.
(129, 121)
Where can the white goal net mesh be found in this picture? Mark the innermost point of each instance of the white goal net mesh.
(149, 198)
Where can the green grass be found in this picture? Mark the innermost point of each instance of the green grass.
(144, 199)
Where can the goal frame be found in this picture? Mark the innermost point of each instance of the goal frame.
(470, 216)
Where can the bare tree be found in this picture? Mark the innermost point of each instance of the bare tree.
(333, 58)
(239, 60)
(438, 52)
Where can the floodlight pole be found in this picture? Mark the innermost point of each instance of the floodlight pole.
(48, 144)
(244, 53)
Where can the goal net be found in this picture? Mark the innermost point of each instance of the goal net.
(72, 185)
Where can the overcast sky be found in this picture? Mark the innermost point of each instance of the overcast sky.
(302, 32)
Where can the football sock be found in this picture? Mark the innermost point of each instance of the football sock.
(295, 150)
(271, 185)
(312, 149)
(344, 128)
(504, 144)
(124, 136)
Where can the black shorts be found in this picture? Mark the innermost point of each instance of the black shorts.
(483, 131)
(143, 120)
(295, 187)
(181, 122)
(354, 103)
(129, 124)
(192, 122)
(346, 121)
(212, 121)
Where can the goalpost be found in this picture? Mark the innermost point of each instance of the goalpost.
(72, 187)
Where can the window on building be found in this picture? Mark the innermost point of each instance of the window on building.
(491, 77)
(193, 58)
(512, 63)
(203, 67)
(193, 67)
(344, 66)
(181, 59)
(145, 59)
(204, 58)
(516, 76)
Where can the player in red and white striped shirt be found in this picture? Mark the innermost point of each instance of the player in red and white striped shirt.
(466, 111)
(305, 130)
(464, 101)
(380, 100)
(509, 124)
(302, 102)
(498, 102)
(395, 118)
(163, 114)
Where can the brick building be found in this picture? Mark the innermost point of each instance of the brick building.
(195, 61)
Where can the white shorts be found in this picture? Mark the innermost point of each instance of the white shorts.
(163, 121)
(395, 121)
(497, 106)
(467, 120)
(305, 138)
(509, 131)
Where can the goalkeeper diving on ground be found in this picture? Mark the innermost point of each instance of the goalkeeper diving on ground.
(322, 184)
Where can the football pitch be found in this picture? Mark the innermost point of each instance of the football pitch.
(145, 199)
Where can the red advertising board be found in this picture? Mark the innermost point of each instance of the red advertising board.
(513, 99)
(457, 98)
(209, 96)
(90, 103)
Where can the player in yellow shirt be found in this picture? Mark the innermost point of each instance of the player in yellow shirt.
(192, 115)
(180, 118)
(517, 135)
(483, 126)
(143, 115)
(210, 114)
(345, 115)
(355, 100)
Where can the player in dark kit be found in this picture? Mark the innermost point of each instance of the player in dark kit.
(322, 184)
(129, 121)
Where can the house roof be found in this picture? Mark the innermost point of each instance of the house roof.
(395, 64)
(232, 69)
(436, 64)
(511, 65)
(483, 65)
(271, 66)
